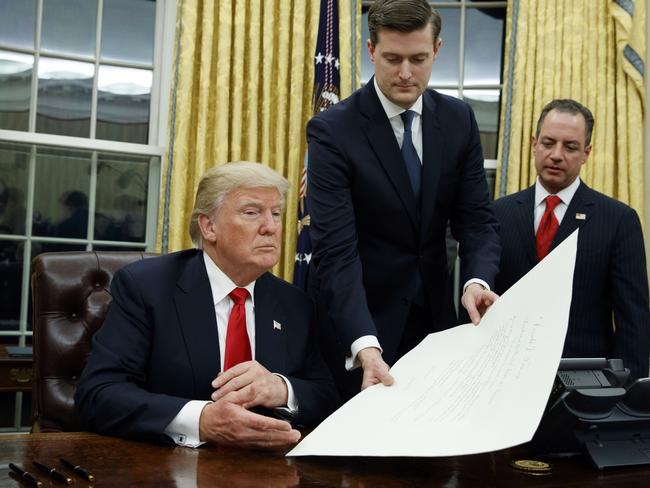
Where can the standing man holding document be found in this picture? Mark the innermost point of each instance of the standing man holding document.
(610, 315)
(389, 167)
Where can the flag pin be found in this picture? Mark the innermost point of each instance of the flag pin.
(277, 325)
(581, 216)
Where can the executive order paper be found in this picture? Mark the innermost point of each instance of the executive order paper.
(469, 389)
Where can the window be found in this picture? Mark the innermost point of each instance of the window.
(469, 64)
(82, 87)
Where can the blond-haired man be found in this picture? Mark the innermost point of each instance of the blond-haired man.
(196, 339)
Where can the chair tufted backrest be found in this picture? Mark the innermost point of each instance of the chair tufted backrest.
(70, 299)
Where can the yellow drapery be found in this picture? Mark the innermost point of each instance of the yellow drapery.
(244, 82)
(585, 50)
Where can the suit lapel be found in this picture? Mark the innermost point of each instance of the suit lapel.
(581, 205)
(526, 210)
(195, 308)
(433, 146)
(270, 335)
(382, 140)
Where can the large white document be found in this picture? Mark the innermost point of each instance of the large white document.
(469, 389)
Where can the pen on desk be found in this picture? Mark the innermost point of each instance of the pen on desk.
(25, 475)
(57, 475)
(77, 469)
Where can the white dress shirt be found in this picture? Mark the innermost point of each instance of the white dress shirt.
(393, 112)
(184, 428)
(566, 195)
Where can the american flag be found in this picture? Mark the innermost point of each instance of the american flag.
(327, 89)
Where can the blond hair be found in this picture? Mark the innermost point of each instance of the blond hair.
(216, 183)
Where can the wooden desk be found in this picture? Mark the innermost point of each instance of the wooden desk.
(15, 373)
(117, 462)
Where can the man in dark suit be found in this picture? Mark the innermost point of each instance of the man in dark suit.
(609, 314)
(206, 324)
(389, 167)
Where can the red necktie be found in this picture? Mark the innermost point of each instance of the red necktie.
(238, 347)
(547, 227)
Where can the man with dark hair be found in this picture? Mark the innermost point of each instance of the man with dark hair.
(388, 169)
(609, 314)
(211, 324)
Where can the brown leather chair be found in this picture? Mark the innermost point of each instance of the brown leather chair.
(70, 299)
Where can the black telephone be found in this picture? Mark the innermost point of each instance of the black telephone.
(595, 409)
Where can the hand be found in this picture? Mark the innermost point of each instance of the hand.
(477, 300)
(226, 423)
(375, 370)
(252, 384)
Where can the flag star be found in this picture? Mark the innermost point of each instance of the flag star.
(307, 258)
(298, 257)
(336, 63)
(329, 58)
(319, 58)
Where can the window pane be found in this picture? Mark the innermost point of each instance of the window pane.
(61, 193)
(11, 283)
(121, 207)
(486, 108)
(123, 101)
(445, 69)
(128, 30)
(15, 86)
(17, 23)
(484, 45)
(64, 97)
(367, 68)
(69, 26)
(14, 162)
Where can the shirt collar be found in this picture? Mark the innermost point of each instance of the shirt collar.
(566, 194)
(220, 284)
(392, 109)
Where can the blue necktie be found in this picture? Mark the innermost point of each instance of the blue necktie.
(410, 155)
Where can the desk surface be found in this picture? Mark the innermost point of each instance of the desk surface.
(116, 462)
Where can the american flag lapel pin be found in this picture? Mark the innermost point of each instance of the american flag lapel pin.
(277, 325)
(581, 216)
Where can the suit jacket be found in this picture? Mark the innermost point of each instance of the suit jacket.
(371, 238)
(609, 281)
(159, 348)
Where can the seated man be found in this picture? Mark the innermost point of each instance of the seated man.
(609, 316)
(210, 324)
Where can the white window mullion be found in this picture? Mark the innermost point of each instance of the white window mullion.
(33, 100)
(98, 42)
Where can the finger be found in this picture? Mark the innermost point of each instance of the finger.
(237, 383)
(225, 376)
(271, 439)
(472, 311)
(387, 379)
(255, 421)
(244, 397)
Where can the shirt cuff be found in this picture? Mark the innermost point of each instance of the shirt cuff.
(292, 402)
(351, 362)
(476, 280)
(184, 428)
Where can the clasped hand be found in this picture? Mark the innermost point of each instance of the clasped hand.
(228, 421)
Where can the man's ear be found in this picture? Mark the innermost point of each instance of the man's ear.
(436, 47)
(206, 225)
(587, 153)
(371, 51)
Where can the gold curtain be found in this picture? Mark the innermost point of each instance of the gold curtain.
(582, 49)
(244, 82)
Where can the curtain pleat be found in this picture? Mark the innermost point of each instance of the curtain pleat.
(588, 50)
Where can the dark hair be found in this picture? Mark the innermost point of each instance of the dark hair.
(403, 16)
(75, 199)
(568, 106)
